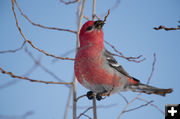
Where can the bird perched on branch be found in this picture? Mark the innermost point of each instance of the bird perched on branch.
(97, 70)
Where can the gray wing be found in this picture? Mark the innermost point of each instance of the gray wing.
(114, 64)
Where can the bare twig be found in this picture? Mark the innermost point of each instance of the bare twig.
(84, 112)
(80, 17)
(68, 103)
(32, 45)
(153, 105)
(152, 71)
(94, 10)
(15, 81)
(131, 59)
(116, 4)
(80, 97)
(32, 80)
(37, 62)
(39, 25)
(87, 116)
(138, 95)
(24, 116)
(15, 50)
(99, 106)
(138, 107)
(86, 18)
(125, 99)
(106, 16)
(69, 2)
(127, 105)
(166, 28)
(64, 55)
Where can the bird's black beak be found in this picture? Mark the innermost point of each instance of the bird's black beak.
(99, 24)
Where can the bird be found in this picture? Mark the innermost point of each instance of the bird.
(97, 70)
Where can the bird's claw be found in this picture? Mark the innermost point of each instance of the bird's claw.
(99, 96)
(89, 95)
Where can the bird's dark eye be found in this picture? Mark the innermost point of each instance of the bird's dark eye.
(89, 28)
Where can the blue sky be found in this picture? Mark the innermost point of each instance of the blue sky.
(129, 27)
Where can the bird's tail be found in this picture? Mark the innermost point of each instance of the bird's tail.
(143, 88)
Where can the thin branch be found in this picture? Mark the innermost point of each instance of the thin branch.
(94, 108)
(80, 97)
(143, 105)
(127, 105)
(99, 106)
(84, 112)
(153, 105)
(94, 10)
(125, 99)
(68, 103)
(32, 80)
(116, 4)
(37, 62)
(86, 18)
(138, 95)
(166, 28)
(15, 50)
(87, 116)
(32, 45)
(131, 59)
(15, 81)
(39, 25)
(69, 2)
(24, 116)
(152, 71)
(64, 55)
(106, 16)
(80, 17)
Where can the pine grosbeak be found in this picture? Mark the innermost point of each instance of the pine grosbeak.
(97, 70)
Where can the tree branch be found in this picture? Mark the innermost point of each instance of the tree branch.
(37, 62)
(32, 80)
(84, 112)
(69, 2)
(131, 59)
(39, 25)
(15, 50)
(138, 107)
(138, 95)
(166, 28)
(32, 45)
(153, 105)
(80, 17)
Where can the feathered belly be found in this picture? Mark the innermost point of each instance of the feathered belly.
(94, 77)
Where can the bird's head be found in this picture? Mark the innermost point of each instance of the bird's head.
(91, 33)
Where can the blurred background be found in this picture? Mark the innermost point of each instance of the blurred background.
(129, 27)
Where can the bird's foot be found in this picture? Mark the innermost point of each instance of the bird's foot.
(89, 95)
(99, 96)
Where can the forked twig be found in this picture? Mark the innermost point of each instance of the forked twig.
(143, 105)
(153, 105)
(138, 95)
(131, 59)
(84, 112)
